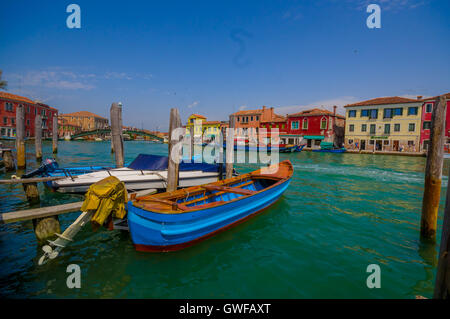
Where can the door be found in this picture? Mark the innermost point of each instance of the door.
(309, 142)
(363, 145)
(395, 146)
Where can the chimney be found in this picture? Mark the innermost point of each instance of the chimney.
(334, 110)
(271, 112)
(419, 97)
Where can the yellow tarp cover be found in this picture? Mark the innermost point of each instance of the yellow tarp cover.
(107, 197)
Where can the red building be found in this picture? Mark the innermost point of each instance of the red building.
(427, 110)
(8, 104)
(310, 127)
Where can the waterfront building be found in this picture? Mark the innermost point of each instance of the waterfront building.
(277, 122)
(384, 124)
(427, 109)
(313, 126)
(206, 130)
(88, 121)
(8, 104)
(67, 129)
(246, 119)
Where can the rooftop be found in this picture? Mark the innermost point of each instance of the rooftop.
(198, 115)
(385, 100)
(315, 112)
(15, 97)
(83, 114)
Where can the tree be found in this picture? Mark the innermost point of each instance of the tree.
(3, 84)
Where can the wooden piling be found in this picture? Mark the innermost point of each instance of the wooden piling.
(55, 135)
(433, 171)
(230, 149)
(38, 136)
(8, 160)
(172, 170)
(20, 136)
(442, 285)
(116, 133)
(46, 228)
(191, 136)
(32, 193)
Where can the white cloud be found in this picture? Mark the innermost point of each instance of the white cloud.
(52, 79)
(242, 107)
(195, 103)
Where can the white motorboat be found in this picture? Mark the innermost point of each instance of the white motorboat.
(146, 171)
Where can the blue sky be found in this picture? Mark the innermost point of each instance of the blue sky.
(216, 57)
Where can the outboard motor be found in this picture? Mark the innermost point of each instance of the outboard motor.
(48, 166)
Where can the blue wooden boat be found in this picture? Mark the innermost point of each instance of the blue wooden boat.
(175, 220)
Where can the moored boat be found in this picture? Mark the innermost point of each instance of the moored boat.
(175, 220)
(146, 171)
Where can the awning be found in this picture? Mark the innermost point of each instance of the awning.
(314, 137)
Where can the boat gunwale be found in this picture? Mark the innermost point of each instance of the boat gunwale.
(199, 189)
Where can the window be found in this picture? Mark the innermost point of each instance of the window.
(238, 118)
(428, 107)
(426, 125)
(410, 143)
(5, 120)
(373, 114)
(397, 127)
(412, 127)
(294, 125)
(28, 122)
(251, 119)
(8, 107)
(398, 111)
(387, 114)
(28, 109)
(412, 110)
(305, 124)
(257, 117)
(352, 113)
(386, 142)
(12, 120)
(36, 109)
(371, 142)
(323, 124)
(364, 113)
(372, 128)
(351, 128)
(350, 141)
(387, 128)
(363, 127)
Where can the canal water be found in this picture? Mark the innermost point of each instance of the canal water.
(341, 213)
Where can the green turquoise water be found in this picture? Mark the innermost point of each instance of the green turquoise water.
(341, 213)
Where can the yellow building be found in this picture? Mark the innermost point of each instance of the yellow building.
(202, 128)
(384, 124)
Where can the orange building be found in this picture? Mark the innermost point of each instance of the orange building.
(86, 120)
(253, 118)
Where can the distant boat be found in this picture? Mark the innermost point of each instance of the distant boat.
(337, 150)
(98, 139)
(291, 148)
(175, 220)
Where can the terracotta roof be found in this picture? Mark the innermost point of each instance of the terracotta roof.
(198, 115)
(15, 97)
(83, 114)
(275, 118)
(447, 96)
(248, 112)
(385, 100)
(315, 112)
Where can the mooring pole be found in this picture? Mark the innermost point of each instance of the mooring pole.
(442, 285)
(8, 160)
(38, 136)
(172, 170)
(230, 149)
(191, 136)
(116, 136)
(55, 135)
(433, 171)
(20, 135)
